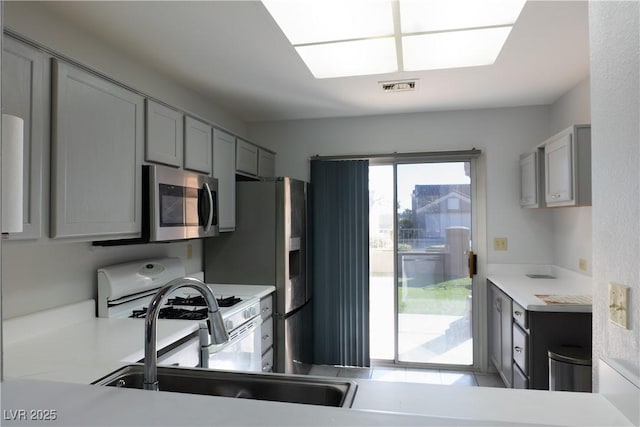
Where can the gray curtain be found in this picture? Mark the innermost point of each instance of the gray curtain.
(339, 216)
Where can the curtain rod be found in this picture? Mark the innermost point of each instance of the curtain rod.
(469, 154)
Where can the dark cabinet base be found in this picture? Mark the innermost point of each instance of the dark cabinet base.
(548, 330)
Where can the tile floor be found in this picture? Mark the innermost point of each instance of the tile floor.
(427, 376)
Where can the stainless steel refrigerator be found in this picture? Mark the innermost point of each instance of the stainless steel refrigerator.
(269, 246)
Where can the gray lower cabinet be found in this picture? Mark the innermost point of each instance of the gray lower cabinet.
(198, 146)
(519, 340)
(266, 311)
(165, 137)
(500, 332)
(97, 149)
(224, 170)
(25, 89)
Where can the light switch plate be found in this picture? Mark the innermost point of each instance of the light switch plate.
(500, 244)
(618, 303)
(582, 264)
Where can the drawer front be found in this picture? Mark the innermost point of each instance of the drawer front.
(520, 315)
(267, 334)
(520, 350)
(266, 307)
(520, 380)
(267, 361)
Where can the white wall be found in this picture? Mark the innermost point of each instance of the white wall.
(37, 275)
(572, 226)
(501, 134)
(615, 110)
(41, 275)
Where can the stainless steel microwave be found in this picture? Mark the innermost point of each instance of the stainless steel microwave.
(176, 205)
(180, 204)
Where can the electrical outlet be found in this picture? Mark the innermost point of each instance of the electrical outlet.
(500, 244)
(582, 264)
(618, 303)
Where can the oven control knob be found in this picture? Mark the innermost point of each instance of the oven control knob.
(228, 324)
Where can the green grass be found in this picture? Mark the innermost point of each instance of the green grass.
(449, 298)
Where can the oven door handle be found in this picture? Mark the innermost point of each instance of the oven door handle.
(207, 190)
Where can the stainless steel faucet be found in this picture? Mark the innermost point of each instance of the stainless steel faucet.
(216, 325)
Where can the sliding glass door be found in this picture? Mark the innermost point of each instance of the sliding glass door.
(420, 243)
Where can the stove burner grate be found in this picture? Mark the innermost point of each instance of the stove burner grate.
(174, 313)
(198, 301)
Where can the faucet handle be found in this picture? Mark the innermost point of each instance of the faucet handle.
(217, 329)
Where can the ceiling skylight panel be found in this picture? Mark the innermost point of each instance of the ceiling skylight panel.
(316, 21)
(442, 15)
(453, 49)
(354, 58)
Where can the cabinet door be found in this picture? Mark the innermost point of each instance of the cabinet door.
(529, 180)
(96, 156)
(267, 335)
(224, 169)
(24, 94)
(246, 158)
(164, 135)
(198, 146)
(494, 308)
(266, 164)
(559, 170)
(506, 344)
(500, 332)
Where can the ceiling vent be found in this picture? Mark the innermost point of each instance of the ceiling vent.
(398, 86)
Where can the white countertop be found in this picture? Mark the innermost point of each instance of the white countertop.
(221, 290)
(377, 403)
(523, 290)
(258, 291)
(83, 352)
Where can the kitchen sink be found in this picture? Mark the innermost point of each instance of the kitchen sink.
(244, 385)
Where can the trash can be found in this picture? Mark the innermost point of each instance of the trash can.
(570, 369)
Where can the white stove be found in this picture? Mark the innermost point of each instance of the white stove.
(125, 290)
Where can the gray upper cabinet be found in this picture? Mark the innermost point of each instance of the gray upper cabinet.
(198, 146)
(266, 163)
(567, 167)
(25, 94)
(246, 158)
(224, 169)
(96, 156)
(531, 180)
(164, 135)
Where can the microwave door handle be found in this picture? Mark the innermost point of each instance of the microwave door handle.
(211, 208)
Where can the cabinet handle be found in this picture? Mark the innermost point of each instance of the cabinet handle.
(266, 337)
(264, 310)
(266, 367)
(555, 196)
(518, 349)
(517, 313)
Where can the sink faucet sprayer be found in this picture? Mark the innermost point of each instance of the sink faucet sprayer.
(216, 325)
